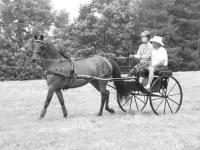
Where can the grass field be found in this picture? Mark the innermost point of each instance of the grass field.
(20, 129)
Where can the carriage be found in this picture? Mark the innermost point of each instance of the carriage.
(165, 94)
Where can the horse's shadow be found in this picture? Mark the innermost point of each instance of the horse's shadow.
(118, 113)
(146, 113)
(93, 115)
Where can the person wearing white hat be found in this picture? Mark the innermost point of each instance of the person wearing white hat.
(159, 58)
(143, 53)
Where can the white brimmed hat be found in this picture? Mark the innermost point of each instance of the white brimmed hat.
(157, 39)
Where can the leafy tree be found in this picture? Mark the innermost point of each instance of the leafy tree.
(186, 17)
(107, 27)
(61, 25)
(20, 18)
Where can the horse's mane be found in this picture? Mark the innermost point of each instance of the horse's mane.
(53, 48)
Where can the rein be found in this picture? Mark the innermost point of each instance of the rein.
(55, 60)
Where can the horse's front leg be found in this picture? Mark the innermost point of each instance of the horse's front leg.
(48, 100)
(62, 103)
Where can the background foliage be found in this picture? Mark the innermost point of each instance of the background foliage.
(106, 27)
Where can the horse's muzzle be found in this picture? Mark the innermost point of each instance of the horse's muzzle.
(34, 58)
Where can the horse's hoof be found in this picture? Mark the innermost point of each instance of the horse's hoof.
(41, 117)
(99, 114)
(43, 113)
(65, 115)
(64, 111)
(110, 110)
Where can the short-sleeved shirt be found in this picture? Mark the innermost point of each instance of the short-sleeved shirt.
(145, 51)
(159, 56)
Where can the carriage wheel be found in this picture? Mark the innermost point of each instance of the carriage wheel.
(141, 101)
(126, 104)
(169, 97)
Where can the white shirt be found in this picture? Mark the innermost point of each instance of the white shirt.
(158, 56)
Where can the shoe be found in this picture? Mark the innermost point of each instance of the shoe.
(147, 87)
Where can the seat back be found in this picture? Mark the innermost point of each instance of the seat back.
(165, 72)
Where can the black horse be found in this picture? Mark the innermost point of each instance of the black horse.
(95, 66)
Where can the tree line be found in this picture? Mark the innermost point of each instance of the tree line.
(106, 27)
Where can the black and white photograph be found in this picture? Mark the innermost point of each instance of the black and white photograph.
(99, 74)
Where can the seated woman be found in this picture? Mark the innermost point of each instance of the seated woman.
(144, 54)
(159, 58)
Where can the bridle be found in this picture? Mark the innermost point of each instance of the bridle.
(38, 50)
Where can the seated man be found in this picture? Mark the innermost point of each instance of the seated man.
(144, 54)
(159, 58)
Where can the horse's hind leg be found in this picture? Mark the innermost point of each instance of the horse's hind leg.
(101, 86)
(62, 103)
(48, 100)
(107, 102)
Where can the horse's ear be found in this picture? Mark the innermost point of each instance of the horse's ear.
(36, 37)
(41, 37)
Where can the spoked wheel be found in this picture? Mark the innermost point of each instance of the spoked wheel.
(127, 104)
(141, 101)
(169, 95)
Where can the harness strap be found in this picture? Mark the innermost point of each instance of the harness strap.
(72, 75)
(63, 55)
(71, 60)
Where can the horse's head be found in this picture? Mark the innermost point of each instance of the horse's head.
(38, 48)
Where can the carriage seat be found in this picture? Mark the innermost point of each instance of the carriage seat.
(160, 71)
(163, 71)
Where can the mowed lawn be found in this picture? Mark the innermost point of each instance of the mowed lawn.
(20, 129)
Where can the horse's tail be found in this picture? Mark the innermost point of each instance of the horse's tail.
(121, 87)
